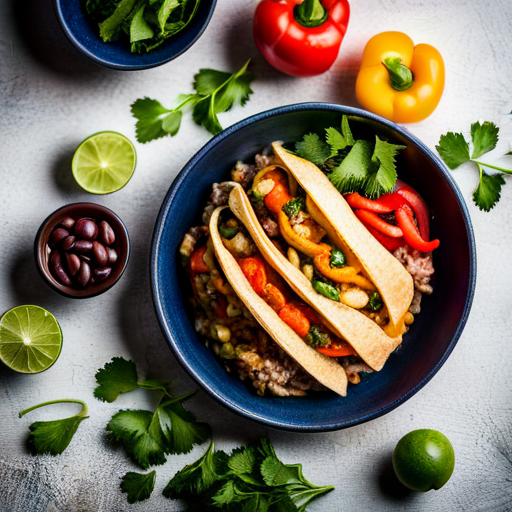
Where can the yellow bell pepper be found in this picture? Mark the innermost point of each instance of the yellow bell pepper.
(400, 81)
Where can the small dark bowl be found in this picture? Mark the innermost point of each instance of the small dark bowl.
(78, 211)
(425, 347)
(84, 35)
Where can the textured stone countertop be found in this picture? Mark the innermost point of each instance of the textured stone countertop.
(51, 98)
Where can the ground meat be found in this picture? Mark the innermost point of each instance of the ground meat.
(199, 231)
(218, 197)
(419, 265)
(243, 174)
(270, 226)
(262, 161)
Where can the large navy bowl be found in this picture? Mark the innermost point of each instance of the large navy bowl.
(84, 35)
(425, 347)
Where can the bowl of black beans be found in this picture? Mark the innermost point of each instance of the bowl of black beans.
(82, 249)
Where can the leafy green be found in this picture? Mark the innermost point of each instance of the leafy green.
(250, 479)
(110, 28)
(216, 92)
(139, 27)
(337, 259)
(317, 337)
(375, 303)
(312, 148)
(454, 150)
(138, 486)
(293, 206)
(53, 437)
(100, 9)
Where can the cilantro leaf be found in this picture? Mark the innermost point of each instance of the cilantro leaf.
(484, 137)
(347, 133)
(118, 376)
(351, 174)
(336, 140)
(454, 149)
(139, 28)
(150, 114)
(488, 191)
(53, 437)
(313, 149)
(138, 486)
(382, 175)
(219, 91)
(110, 28)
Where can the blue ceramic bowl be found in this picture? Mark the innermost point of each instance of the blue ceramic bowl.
(84, 35)
(431, 338)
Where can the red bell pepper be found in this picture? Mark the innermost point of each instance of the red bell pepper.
(300, 38)
(355, 200)
(253, 269)
(379, 224)
(197, 264)
(411, 234)
(391, 244)
(339, 350)
(416, 202)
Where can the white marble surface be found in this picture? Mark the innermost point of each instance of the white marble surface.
(51, 98)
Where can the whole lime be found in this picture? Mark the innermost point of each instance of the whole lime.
(424, 459)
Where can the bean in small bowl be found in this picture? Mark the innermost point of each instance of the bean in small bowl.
(82, 249)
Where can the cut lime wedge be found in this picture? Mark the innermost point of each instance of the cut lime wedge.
(104, 162)
(30, 339)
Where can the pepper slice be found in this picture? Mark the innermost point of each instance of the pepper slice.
(421, 210)
(355, 200)
(339, 350)
(197, 264)
(379, 224)
(411, 234)
(391, 244)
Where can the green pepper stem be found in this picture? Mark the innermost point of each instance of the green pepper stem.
(310, 13)
(507, 171)
(400, 76)
(83, 412)
(181, 398)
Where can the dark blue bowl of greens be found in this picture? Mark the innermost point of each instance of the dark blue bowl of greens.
(133, 34)
(425, 347)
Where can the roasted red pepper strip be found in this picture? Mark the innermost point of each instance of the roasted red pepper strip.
(338, 351)
(254, 270)
(277, 198)
(416, 202)
(379, 224)
(295, 318)
(391, 244)
(197, 265)
(300, 38)
(355, 200)
(411, 234)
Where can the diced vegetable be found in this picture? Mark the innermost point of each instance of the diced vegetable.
(317, 337)
(338, 259)
(326, 290)
(293, 207)
(296, 319)
(375, 303)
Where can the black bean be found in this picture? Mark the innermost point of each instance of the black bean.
(101, 274)
(68, 243)
(99, 254)
(112, 255)
(67, 222)
(73, 262)
(58, 269)
(84, 275)
(83, 246)
(107, 234)
(86, 228)
(59, 234)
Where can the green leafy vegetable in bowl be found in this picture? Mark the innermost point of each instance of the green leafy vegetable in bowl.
(145, 23)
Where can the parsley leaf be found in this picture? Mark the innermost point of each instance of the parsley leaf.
(138, 486)
(488, 191)
(484, 137)
(382, 176)
(339, 141)
(216, 92)
(313, 149)
(454, 149)
(347, 133)
(53, 437)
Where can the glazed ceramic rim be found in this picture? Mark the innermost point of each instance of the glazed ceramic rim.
(188, 169)
(125, 67)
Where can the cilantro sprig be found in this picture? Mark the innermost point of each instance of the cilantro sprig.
(138, 485)
(363, 166)
(455, 151)
(216, 92)
(251, 478)
(54, 436)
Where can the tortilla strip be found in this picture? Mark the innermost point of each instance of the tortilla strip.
(394, 283)
(324, 369)
(363, 334)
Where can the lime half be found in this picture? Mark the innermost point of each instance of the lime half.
(30, 339)
(104, 162)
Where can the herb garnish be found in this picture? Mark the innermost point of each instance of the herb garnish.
(216, 92)
(252, 478)
(53, 437)
(146, 23)
(293, 207)
(363, 166)
(454, 150)
(375, 303)
(138, 486)
(317, 337)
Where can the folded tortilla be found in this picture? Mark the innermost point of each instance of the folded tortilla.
(324, 369)
(328, 207)
(370, 342)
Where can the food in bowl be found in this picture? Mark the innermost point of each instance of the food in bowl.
(291, 290)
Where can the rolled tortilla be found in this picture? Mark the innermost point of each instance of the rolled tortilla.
(324, 369)
(332, 212)
(363, 334)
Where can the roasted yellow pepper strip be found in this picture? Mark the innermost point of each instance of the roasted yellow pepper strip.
(341, 275)
(400, 81)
